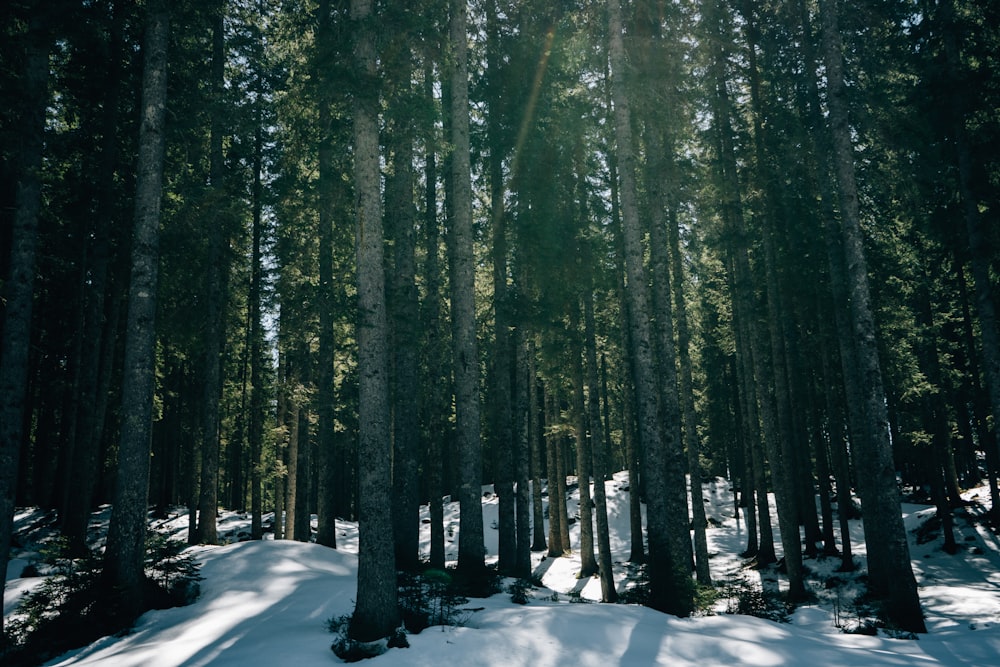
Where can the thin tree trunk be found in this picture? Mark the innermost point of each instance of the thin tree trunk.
(690, 419)
(556, 520)
(438, 379)
(405, 316)
(291, 456)
(124, 554)
(256, 430)
(608, 591)
(303, 463)
(632, 447)
(208, 501)
(536, 411)
(841, 463)
(18, 291)
(501, 410)
(326, 533)
(471, 549)
(522, 454)
(584, 459)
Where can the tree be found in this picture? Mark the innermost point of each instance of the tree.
(670, 584)
(326, 533)
(437, 399)
(608, 591)
(400, 220)
(125, 551)
(215, 298)
(502, 392)
(18, 289)
(471, 551)
(376, 614)
(889, 556)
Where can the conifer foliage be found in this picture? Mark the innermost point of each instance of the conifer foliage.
(341, 258)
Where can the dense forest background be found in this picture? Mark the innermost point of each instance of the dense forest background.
(392, 251)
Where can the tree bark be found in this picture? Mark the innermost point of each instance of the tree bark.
(608, 591)
(18, 291)
(557, 517)
(376, 614)
(501, 389)
(689, 418)
(471, 549)
(256, 425)
(522, 455)
(437, 399)
(326, 533)
(405, 317)
(125, 551)
(884, 531)
(218, 265)
(584, 459)
(671, 588)
(536, 423)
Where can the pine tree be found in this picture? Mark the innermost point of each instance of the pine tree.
(471, 551)
(18, 289)
(889, 557)
(376, 614)
(670, 584)
(125, 551)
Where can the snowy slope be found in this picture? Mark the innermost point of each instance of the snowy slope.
(268, 603)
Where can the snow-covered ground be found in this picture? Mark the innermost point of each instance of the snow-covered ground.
(268, 603)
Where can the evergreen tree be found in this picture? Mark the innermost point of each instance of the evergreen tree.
(376, 614)
(124, 554)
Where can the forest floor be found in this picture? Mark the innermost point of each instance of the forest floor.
(270, 602)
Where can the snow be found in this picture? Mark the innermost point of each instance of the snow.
(269, 602)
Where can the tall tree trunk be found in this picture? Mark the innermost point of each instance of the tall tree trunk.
(637, 552)
(770, 357)
(292, 502)
(124, 554)
(557, 518)
(739, 277)
(437, 399)
(97, 334)
(208, 502)
(501, 390)
(18, 291)
(841, 462)
(690, 419)
(405, 314)
(376, 613)
(303, 463)
(671, 588)
(884, 530)
(471, 549)
(536, 421)
(522, 455)
(584, 458)
(326, 533)
(608, 591)
(256, 430)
